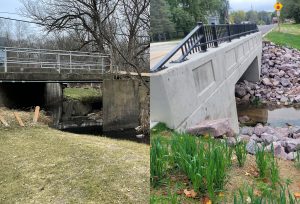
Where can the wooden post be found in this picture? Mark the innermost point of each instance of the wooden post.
(36, 114)
(19, 119)
(4, 121)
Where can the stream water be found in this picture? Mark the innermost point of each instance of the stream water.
(127, 134)
(272, 116)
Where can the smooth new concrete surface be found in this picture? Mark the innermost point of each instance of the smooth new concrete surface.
(203, 87)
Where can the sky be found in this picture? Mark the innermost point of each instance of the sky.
(12, 9)
(267, 5)
(13, 6)
(259, 5)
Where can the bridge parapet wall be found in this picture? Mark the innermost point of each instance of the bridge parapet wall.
(203, 87)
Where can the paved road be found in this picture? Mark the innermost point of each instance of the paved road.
(160, 49)
(266, 28)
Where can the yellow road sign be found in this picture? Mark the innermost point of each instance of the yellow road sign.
(278, 6)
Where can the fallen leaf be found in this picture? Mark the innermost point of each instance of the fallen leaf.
(179, 192)
(247, 174)
(190, 194)
(206, 200)
(297, 195)
(173, 178)
(254, 172)
(206, 135)
(257, 193)
(221, 194)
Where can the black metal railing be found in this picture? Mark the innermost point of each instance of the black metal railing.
(203, 37)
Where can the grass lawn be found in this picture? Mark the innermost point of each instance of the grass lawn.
(193, 165)
(42, 165)
(83, 94)
(289, 36)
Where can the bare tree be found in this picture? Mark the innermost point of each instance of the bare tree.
(119, 27)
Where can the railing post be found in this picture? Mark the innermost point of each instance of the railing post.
(5, 60)
(203, 44)
(102, 64)
(70, 60)
(58, 62)
(214, 33)
(228, 32)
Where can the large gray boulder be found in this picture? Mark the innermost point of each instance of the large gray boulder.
(268, 138)
(216, 128)
(251, 146)
(292, 145)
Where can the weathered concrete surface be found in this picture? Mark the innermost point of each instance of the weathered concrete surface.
(54, 100)
(120, 104)
(203, 87)
(50, 76)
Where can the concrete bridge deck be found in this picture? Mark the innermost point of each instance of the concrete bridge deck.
(202, 87)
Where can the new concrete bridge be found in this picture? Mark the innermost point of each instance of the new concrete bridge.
(203, 87)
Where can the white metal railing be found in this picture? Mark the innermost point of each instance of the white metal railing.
(19, 59)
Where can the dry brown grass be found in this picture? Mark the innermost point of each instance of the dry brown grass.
(26, 116)
(42, 165)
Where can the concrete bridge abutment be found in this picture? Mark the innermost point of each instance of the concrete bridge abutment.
(202, 88)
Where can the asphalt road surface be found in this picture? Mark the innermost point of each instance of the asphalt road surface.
(160, 49)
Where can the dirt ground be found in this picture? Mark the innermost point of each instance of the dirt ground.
(238, 178)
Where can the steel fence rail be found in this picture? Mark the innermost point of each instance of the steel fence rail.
(29, 58)
(203, 37)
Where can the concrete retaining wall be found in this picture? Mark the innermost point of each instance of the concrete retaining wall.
(203, 87)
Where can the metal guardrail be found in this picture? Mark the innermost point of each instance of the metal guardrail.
(14, 59)
(203, 37)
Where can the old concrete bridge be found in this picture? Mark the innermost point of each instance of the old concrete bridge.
(30, 77)
(202, 87)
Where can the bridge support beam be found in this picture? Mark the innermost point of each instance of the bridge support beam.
(203, 87)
